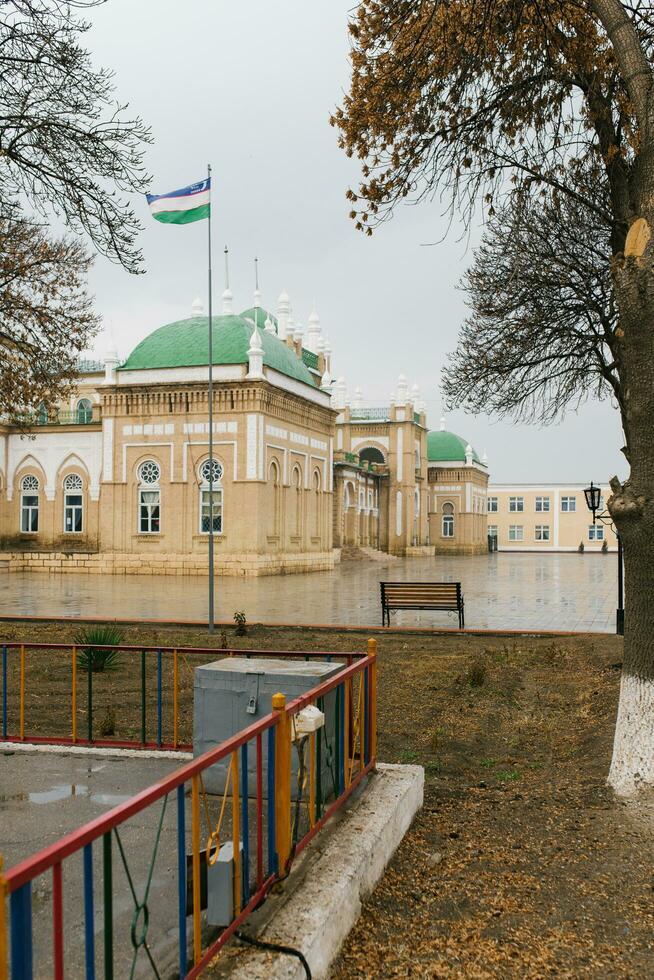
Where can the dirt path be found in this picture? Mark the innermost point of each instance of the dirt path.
(521, 864)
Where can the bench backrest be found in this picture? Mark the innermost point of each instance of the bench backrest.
(409, 593)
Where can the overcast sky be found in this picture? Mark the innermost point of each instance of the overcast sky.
(249, 87)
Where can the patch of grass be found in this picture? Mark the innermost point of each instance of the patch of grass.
(507, 775)
(488, 763)
(408, 756)
(475, 675)
(433, 766)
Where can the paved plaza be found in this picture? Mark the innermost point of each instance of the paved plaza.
(502, 591)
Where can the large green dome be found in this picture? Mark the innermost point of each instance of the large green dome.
(447, 447)
(185, 343)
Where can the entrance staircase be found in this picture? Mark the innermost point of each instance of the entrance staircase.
(354, 553)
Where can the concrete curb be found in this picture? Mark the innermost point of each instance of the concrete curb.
(321, 901)
(107, 751)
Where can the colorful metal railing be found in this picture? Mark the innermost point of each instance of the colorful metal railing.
(156, 717)
(264, 846)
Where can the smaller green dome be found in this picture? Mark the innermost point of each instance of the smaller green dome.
(447, 447)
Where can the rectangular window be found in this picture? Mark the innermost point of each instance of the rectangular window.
(516, 532)
(516, 504)
(542, 532)
(542, 505)
(568, 504)
(492, 530)
(29, 513)
(492, 505)
(149, 511)
(595, 532)
(72, 513)
(205, 512)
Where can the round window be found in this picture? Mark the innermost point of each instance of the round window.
(149, 472)
(211, 468)
(30, 483)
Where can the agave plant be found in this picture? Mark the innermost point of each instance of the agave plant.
(90, 642)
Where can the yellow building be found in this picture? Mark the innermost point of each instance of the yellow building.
(546, 517)
(117, 480)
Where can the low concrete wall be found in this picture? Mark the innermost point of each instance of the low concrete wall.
(321, 900)
(118, 563)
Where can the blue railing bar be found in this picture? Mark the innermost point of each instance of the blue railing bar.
(21, 932)
(4, 692)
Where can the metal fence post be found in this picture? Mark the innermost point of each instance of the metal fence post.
(372, 652)
(282, 784)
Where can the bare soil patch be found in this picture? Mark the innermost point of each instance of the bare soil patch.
(521, 864)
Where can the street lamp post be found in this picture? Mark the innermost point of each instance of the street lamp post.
(593, 497)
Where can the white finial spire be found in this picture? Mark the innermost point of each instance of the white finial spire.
(442, 423)
(197, 309)
(313, 332)
(338, 395)
(269, 326)
(297, 335)
(326, 381)
(255, 355)
(468, 455)
(357, 401)
(484, 459)
(283, 314)
(402, 390)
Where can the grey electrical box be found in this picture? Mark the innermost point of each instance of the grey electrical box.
(220, 886)
(232, 693)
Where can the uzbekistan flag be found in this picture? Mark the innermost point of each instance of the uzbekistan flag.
(183, 206)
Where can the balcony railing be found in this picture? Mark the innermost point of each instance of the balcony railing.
(371, 414)
(85, 365)
(78, 416)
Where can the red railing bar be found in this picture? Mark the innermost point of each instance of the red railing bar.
(43, 860)
(227, 933)
(57, 923)
(153, 648)
(303, 700)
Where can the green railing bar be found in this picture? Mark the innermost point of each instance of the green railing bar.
(143, 697)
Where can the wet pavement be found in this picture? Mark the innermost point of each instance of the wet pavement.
(502, 591)
(46, 795)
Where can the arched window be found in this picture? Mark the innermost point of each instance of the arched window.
(73, 503)
(448, 521)
(346, 496)
(84, 410)
(211, 470)
(149, 474)
(372, 455)
(296, 481)
(29, 505)
(273, 477)
(317, 503)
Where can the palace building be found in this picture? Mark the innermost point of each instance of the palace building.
(118, 479)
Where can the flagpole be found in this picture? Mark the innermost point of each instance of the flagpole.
(211, 565)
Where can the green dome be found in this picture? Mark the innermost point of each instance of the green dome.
(185, 343)
(446, 447)
(261, 317)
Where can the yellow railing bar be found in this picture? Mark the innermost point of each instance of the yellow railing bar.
(236, 833)
(372, 652)
(347, 700)
(195, 837)
(73, 705)
(175, 700)
(22, 691)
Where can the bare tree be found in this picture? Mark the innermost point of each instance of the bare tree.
(66, 145)
(541, 332)
(471, 98)
(46, 318)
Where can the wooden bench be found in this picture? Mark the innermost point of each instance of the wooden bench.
(445, 596)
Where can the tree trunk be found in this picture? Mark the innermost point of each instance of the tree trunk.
(632, 504)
